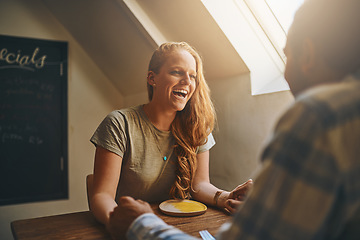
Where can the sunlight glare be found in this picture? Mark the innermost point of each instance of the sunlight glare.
(284, 10)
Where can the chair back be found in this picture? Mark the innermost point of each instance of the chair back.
(89, 188)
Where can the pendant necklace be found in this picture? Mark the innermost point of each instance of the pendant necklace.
(164, 157)
(151, 126)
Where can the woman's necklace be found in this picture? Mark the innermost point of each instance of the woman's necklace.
(151, 126)
(163, 156)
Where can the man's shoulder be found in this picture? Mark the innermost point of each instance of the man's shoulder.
(330, 104)
(332, 95)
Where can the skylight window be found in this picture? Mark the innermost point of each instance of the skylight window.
(257, 29)
(284, 11)
(275, 18)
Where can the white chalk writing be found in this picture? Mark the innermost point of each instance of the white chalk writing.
(23, 60)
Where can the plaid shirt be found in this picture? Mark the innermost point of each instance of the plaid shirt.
(309, 186)
(149, 226)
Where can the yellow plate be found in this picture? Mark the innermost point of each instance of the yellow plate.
(176, 207)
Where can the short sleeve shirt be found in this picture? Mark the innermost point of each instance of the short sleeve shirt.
(145, 174)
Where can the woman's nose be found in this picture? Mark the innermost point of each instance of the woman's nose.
(186, 79)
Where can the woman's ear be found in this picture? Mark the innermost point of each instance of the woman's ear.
(308, 56)
(151, 78)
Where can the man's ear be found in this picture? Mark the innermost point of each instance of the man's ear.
(151, 78)
(308, 56)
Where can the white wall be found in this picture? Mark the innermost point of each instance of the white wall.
(136, 99)
(90, 97)
(244, 124)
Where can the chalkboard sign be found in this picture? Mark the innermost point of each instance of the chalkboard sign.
(33, 120)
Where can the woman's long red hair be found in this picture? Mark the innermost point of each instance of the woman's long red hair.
(192, 125)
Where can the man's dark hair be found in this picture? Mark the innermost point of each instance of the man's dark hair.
(333, 25)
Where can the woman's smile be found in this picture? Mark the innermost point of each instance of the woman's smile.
(180, 93)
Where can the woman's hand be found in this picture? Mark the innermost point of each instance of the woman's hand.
(238, 195)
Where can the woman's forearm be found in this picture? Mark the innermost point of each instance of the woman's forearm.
(205, 192)
(101, 206)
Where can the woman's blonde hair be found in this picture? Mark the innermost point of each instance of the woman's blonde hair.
(192, 125)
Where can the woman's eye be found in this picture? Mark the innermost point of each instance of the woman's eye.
(181, 73)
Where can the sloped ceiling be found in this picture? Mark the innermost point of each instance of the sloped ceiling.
(109, 33)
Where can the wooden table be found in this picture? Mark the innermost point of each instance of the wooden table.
(82, 225)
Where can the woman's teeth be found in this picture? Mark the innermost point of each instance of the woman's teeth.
(181, 93)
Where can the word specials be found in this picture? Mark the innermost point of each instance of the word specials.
(23, 60)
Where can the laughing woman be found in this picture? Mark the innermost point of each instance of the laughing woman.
(160, 150)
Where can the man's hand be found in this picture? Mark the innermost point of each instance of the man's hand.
(124, 214)
(237, 196)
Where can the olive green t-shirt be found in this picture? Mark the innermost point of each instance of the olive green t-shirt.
(148, 163)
